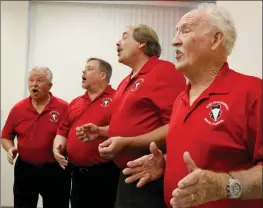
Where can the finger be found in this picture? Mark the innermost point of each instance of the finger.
(60, 156)
(105, 143)
(144, 180)
(10, 160)
(154, 149)
(138, 162)
(186, 201)
(130, 171)
(133, 178)
(62, 166)
(64, 163)
(10, 154)
(190, 164)
(80, 134)
(87, 126)
(85, 140)
(190, 179)
(79, 129)
(179, 193)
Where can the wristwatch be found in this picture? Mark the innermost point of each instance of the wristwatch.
(234, 189)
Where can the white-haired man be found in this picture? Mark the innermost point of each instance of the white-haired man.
(217, 120)
(34, 122)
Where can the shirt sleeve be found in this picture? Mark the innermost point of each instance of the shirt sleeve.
(168, 84)
(63, 127)
(8, 131)
(255, 131)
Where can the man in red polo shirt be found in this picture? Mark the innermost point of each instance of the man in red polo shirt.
(92, 176)
(34, 122)
(141, 112)
(214, 143)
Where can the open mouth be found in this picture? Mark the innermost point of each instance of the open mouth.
(83, 79)
(119, 50)
(35, 91)
(178, 53)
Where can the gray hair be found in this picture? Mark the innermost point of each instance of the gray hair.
(44, 69)
(221, 18)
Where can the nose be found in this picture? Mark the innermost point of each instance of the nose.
(177, 40)
(118, 43)
(34, 83)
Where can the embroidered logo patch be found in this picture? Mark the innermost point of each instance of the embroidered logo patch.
(106, 102)
(137, 84)
(217, 109)
(54, 116)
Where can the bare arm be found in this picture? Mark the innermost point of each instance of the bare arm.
(250, 180)
(59, 146)
(103, 131)
(158, 136)
(7, 144)
(60, 140)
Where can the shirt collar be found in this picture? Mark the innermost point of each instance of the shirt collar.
(50, 104)
(146, 67)
(108, 90)
(220, 85)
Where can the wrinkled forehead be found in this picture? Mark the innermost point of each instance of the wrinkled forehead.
(37, 74)
(194, 18)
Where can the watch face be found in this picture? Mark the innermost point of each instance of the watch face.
(235, 190)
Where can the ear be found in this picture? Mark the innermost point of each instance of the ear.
(217, 40)
(141, 45)
(103, 75)
(50, 85)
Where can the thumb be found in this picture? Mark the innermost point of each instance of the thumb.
(105, 143)
(87, 126)
(154, 149)
(190, 164)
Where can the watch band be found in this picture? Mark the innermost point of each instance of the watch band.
(233, 187)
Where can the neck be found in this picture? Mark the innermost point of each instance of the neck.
(96, 89)
(138, 63)
(203, 76)
(41, 102)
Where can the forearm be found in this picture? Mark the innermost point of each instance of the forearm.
(60, 140)
(103, 131)
(250, 180)
(7, 144)
(158, 136)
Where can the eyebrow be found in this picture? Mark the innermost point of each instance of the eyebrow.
(185, 25)
(125, 33)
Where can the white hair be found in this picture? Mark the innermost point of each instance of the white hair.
(222, 19)
(44, 69)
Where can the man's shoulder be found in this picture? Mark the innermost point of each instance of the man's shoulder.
(60, 101)
(22, 103)
(248, 82)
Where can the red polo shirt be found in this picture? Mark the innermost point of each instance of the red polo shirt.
(82, 111)
(144, 103)
(35, 132)
(222, 131)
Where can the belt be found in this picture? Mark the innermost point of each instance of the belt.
(97, 167)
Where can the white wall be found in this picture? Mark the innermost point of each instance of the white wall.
(72, 32)
(247, 54)
(246, 58)
(14, 54)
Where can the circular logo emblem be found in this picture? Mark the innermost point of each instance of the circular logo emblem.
(106, 102)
